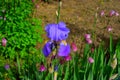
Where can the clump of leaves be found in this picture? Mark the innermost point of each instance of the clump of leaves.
(19, 29)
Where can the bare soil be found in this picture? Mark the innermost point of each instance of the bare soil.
(79, 16)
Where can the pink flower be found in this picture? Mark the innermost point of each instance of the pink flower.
(74, 47)
(89, 41)
(4, 42)
(109, 28)
(90, 60)
(87, 36)
(37, 6)
(116, 14)
(67, 58)
(33, 0)
(42, 68)
(92, 49)
(102, 13)
(112, 12)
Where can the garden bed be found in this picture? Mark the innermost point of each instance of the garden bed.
(87, 46)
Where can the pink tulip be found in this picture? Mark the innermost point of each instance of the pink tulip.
(42, 68)
(90, 60)
(92, 49)
(37, 6)
(89, 41)
(109, 28)
(33, 1)
(102, 13)
(116, 14)
(67, 58)
(74, 47)
(4, 42)
(87, 36)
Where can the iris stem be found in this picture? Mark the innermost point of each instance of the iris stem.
(58, 12)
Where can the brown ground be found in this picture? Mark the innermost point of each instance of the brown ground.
(79, 15)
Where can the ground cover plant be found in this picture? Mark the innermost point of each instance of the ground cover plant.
(57, 59)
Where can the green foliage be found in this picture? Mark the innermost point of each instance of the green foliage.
(118, 56)
(76, 69)
(21, 31)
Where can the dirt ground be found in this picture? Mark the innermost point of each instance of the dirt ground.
(79, 15)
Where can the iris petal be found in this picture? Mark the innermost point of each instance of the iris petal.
(64, 50)
(57, 32)
(47, 49)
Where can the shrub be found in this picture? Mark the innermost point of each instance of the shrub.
(18, 29)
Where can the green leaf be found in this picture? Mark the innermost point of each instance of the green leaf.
(90, 76)
(67, 72)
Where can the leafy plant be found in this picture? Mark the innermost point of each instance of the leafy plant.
(21, 32)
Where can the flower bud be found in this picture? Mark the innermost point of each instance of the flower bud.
(67, 58)
(89, 41)
(112, 12)
(7, 66)
(87, 36)
(90, 60)
(102, 13)
(42, 68)
(4, 42)
(74, 47)
(109, 28)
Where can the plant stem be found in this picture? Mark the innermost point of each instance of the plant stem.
(58, 12)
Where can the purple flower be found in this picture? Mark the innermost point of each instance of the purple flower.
(102, 13)
(42, 68)
(47, 49)
(7, 66)
(74, 47)
(67, 58)
(64, 50)
(57, 32)
(112, 12)
(4, 42)
(90, 60)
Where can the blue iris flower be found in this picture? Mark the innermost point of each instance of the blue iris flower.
(48, 47)
(64, 50)
(57, 32)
